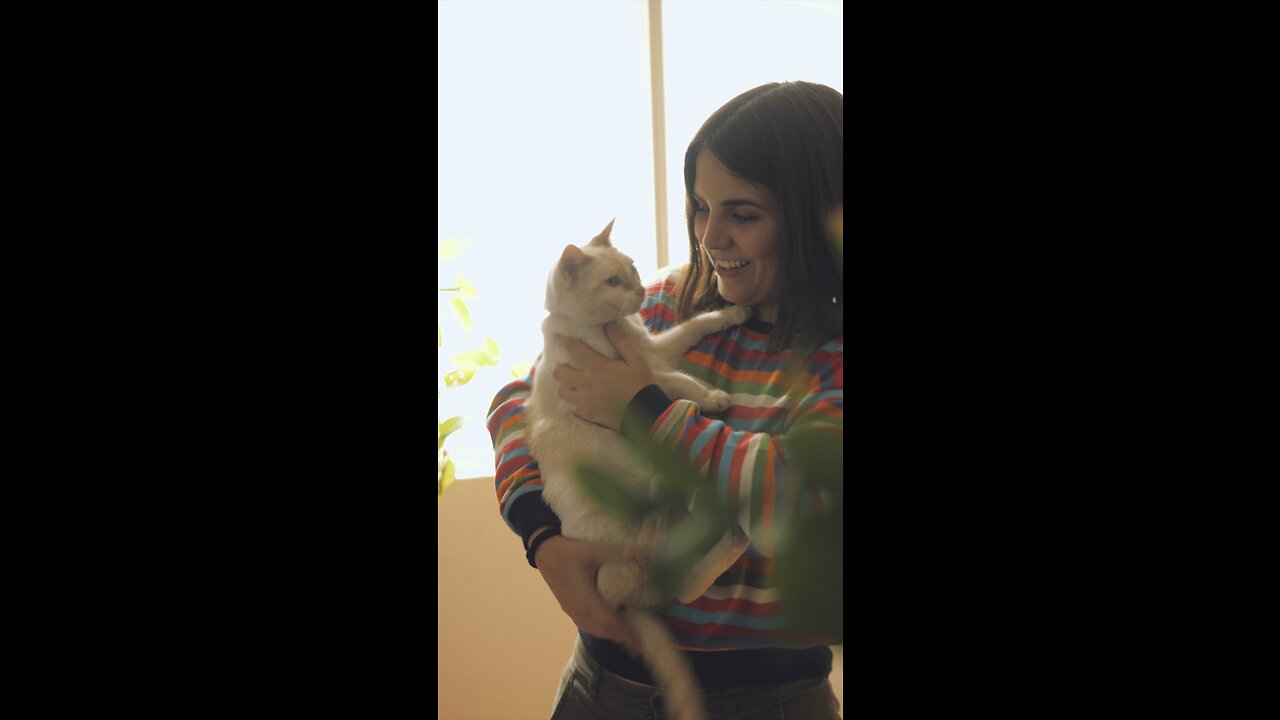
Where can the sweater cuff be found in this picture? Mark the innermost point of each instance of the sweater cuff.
(643, 411)
(530, 512)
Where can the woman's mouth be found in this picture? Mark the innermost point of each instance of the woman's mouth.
(726, 268)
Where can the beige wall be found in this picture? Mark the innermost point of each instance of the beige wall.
(502, 638)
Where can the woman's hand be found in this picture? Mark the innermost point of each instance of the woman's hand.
(603, 387)
(569, 568)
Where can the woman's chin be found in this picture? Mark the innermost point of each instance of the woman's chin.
(728, 293)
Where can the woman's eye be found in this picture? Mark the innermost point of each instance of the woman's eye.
(745, 218)
(698, 209)
(613, 281)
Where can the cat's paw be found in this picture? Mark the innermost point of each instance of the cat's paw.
(715, 401)
(735, 315)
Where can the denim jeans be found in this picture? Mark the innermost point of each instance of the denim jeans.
(589, 692)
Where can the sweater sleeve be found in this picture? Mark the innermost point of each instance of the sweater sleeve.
(749, 471)
(517, 479)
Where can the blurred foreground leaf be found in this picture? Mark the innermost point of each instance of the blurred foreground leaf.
(464, 316)
(476, 359)
(809, 555)
(458, 378)
(447, 428)
(466, 290)
(611, 496)
(677, 474)
(809, 569)
(690, 540)
(817, 457)
(452, 247)
(445, 474)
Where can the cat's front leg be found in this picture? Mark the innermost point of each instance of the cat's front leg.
(715, 321)
(677, 340)
(679, 385)
(726, 318)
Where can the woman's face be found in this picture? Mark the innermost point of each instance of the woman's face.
(739, 225)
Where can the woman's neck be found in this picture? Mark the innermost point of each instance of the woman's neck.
(767, 313)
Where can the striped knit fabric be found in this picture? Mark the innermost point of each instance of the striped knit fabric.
(743, 452)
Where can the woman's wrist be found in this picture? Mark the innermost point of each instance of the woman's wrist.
(529, 512)
(535, 544)
(643, 410)
(534, 535)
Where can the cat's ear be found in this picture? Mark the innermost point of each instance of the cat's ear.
(572, 260)
(602, 240)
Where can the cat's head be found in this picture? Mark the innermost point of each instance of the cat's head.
(594, 284)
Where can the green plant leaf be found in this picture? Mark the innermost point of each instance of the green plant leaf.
(676, 472)
(809, 570)
(446, 478)
(470, 360)
(476, 359)
(466, 290)
(450, 426)
(460, 309)
(452, 247)
(458, 378)
(817, 457)
(688, 542)
(609, 495)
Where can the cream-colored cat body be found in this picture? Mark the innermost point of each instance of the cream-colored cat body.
(591, 286)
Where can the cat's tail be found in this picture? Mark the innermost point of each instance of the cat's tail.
(670, 669)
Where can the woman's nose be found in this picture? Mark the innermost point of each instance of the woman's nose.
(715, 237)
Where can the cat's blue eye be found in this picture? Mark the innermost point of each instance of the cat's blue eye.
(613, 281)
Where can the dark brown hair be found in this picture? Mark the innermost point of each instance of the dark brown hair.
(789, 138)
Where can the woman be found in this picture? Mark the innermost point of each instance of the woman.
(764, 177)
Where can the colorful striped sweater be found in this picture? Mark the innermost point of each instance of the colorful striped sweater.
(743, 452)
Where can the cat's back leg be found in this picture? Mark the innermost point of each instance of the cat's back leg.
(714, 564)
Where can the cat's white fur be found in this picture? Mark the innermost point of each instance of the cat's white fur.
(588, 287)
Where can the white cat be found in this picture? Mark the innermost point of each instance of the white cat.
(591, 286)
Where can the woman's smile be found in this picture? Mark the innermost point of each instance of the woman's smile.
(730, 268)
